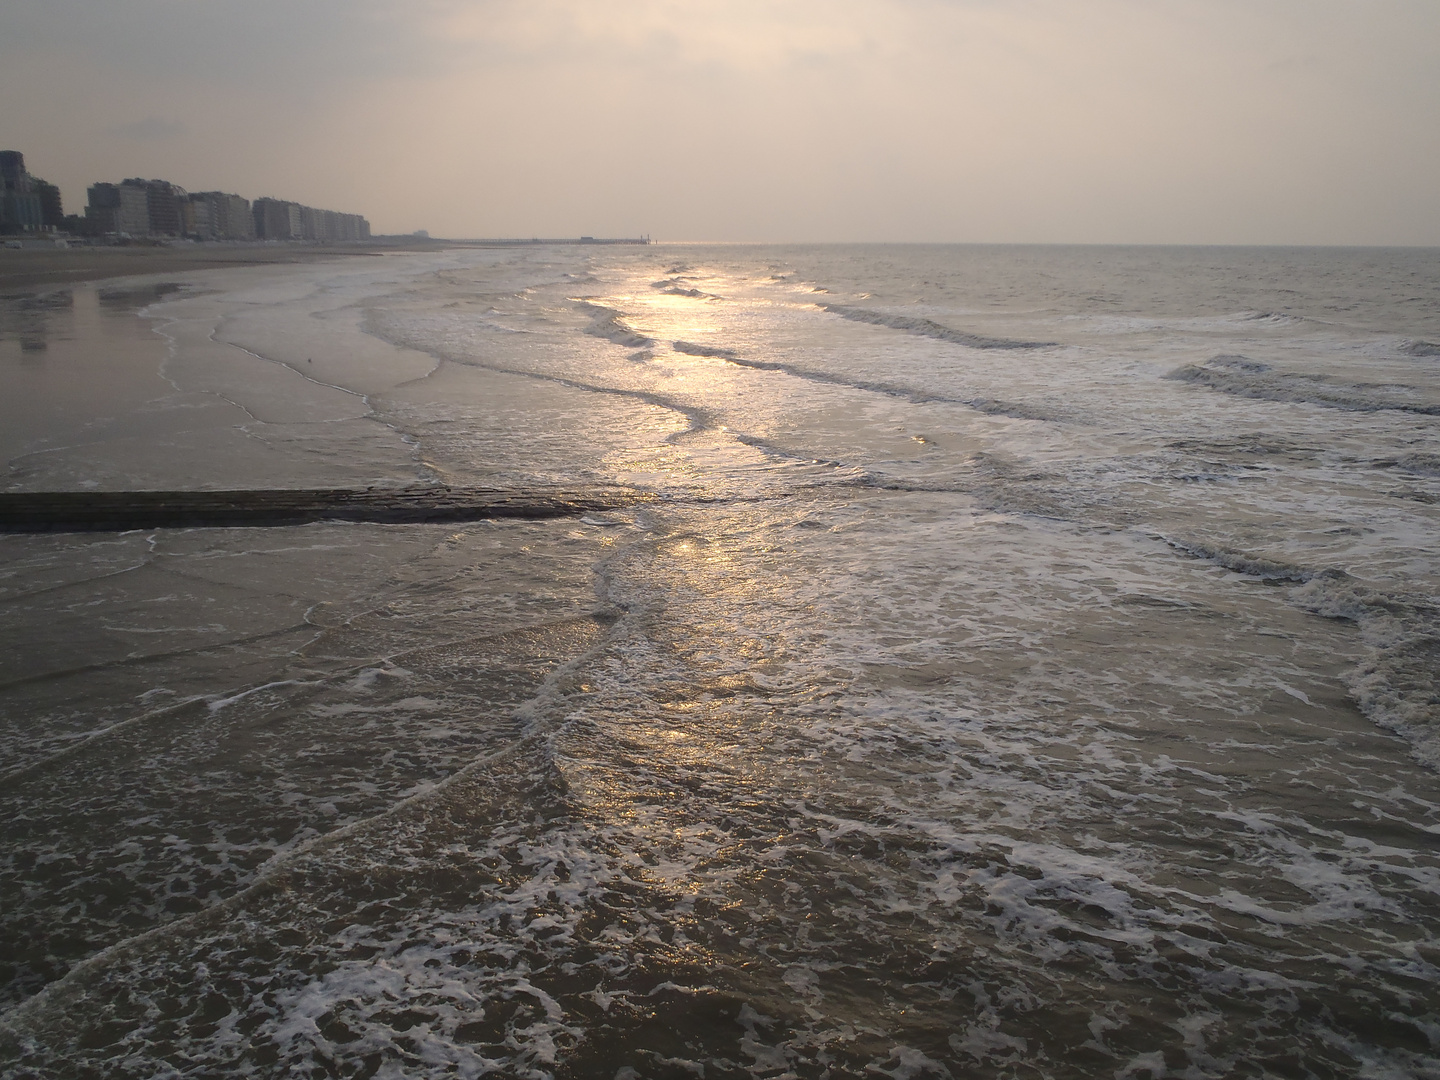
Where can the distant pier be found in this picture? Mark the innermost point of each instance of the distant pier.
(516, 241)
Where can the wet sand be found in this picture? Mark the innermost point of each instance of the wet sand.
(98, 399)
(31, 268)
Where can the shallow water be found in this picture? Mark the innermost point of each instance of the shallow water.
(1027, 670)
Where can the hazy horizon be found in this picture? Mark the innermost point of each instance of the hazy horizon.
(932, 121)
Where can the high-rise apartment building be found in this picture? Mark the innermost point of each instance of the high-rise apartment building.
(21, 210)
(233, 217)
(217, 215)
(165, 202)
(276, 219)
(134, 216)
(52, 210)
(139, 208)
(102, 211)
(157, 208)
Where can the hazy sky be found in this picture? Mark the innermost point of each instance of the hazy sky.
(1151, 121)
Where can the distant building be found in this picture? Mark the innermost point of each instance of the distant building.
(314, 225)
(21, 209)
(276, 219)
(217, 215)
(102, 212)
(349, 229)
(158, 208)
(52, 211)
(197, 218)
(234, 219)
(134, 215)
(166, 204)
(139, 208)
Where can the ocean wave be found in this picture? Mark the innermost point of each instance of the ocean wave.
(675, 286)
(1420, 348)
(1275, 318)
(1397, 685)
(1420, 464)
(1017, 410)
(606, 324)
(1251, 444)
(989, 406)
(1242, 377)
(913, 324)
(690, 348)
(1235, 362)
(1242, 562)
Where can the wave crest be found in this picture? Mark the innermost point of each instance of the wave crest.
(1275, 318)
(606, 324)
(1243, 377)
(690, 348)
(1397, 686)
(913, 324)
(1421, 464)
(989, 406)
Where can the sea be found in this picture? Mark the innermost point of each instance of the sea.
(1025, 663)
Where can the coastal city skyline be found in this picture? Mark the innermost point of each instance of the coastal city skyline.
(150, 209)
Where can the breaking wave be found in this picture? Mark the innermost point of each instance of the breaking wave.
(690, 348)
(913, 324)
(1243, 377)
(1275, 318)
(1236, 362)
(1420, 348)
(606, 324)
(989, 406)
(1241, 562)
(677, 287)
(1421, 464)
(1397, 685)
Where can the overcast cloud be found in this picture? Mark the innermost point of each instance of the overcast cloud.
(1181, 121)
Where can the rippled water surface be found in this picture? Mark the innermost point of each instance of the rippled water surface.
(1028, 668)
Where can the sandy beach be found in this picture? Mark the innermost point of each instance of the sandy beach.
(26, 269)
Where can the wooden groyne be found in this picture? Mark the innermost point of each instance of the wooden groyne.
(118, 511)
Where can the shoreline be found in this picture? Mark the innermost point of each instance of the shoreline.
(29, 270)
